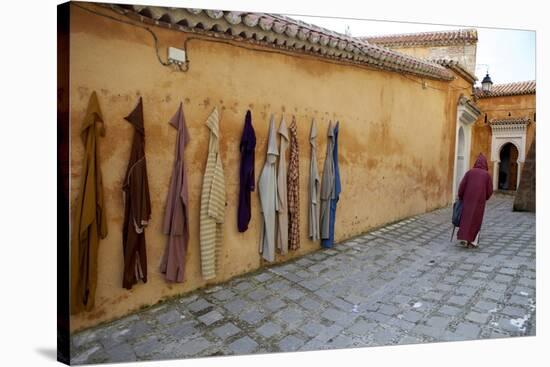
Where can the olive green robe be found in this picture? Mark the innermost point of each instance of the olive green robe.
(89, 223)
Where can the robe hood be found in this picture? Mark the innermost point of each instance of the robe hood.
(136, 117)
(93, 114)
(481, 162)
(178, 121)
(272, 150)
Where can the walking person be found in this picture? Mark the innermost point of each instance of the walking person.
(475, 189)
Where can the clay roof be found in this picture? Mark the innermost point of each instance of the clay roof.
(438, 38)
(510, 121)
(281, 32)
(456, 67)
(508, 89)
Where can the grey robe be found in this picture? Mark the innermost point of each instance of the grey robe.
(314, 182)
(267, 190)
(327, 184)
(282, 197)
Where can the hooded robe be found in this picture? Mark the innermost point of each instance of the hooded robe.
(294, 189)
(176, 216)
(247, 177)
(329, 242)
(267, 190)
(137, 205)
(327, 186)
(314, 183)
(475, 189)
(212, 210)
(282, 195)
(89, 221)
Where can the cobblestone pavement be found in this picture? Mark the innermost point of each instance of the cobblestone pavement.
(401, 284)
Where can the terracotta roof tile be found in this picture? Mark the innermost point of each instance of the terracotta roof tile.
(508, 89)
(282, 32)
(457, 67)
(438, 38)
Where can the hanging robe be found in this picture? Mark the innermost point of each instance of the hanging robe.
(327, 243)
(212, 210)
(294, 189)
(267, 190)
(474, 190)
(327, 187)
(89, 222)
(247, 179)
(314, 182)
(282, 195)
(176, 216)
(137, 205)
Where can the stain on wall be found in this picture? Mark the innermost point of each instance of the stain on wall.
(396, 142)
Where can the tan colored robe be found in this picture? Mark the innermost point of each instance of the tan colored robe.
(89, 221)
(314, 183)
(282, 195)
(267, 190)
(294, 189)
(212, 211)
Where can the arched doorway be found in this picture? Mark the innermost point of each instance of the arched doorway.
(508, 167)
(460, 164)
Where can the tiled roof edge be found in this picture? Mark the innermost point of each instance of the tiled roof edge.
(437, 38)
(510, 121)
(456, 67)
(282, 32)
(508, 89)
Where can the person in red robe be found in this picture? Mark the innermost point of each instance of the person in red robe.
(475, 189)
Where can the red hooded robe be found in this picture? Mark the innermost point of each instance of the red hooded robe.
(475, 189)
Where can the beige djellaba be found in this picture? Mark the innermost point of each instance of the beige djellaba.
(212, 210)
(282, 195)
(267, 191)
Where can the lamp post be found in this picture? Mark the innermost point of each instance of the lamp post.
(486, 83)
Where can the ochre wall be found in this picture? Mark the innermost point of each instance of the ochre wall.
(396, 141)
(464, 54)
(500, 107)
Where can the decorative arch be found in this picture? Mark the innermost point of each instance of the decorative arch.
(467, 113)
(508, 130)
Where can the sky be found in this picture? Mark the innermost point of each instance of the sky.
(508, 55)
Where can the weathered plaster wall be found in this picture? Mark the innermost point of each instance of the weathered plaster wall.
(396, 141)
(464, 54)
(496, 108)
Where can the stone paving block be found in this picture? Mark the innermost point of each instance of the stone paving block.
(223, 295)
(121, 353)
(430, 331)
(290, 343)
(199, 305)
(244, 345)
(277, 286)
(192, 347)
(450, 310)
(503, 278)
(169, 317)
(263, 277)
(514, 311)
(252, 316)
(458, 300)
(269, 329)
(147, 346)
(237, 306)
(182, 330)
(468, 330)
(211, 317)
(87, 354)
(258, 294)
(478, 318)
(294, 294)
(243, 286)
(438, 321)
(226, 330)
(273, 304)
